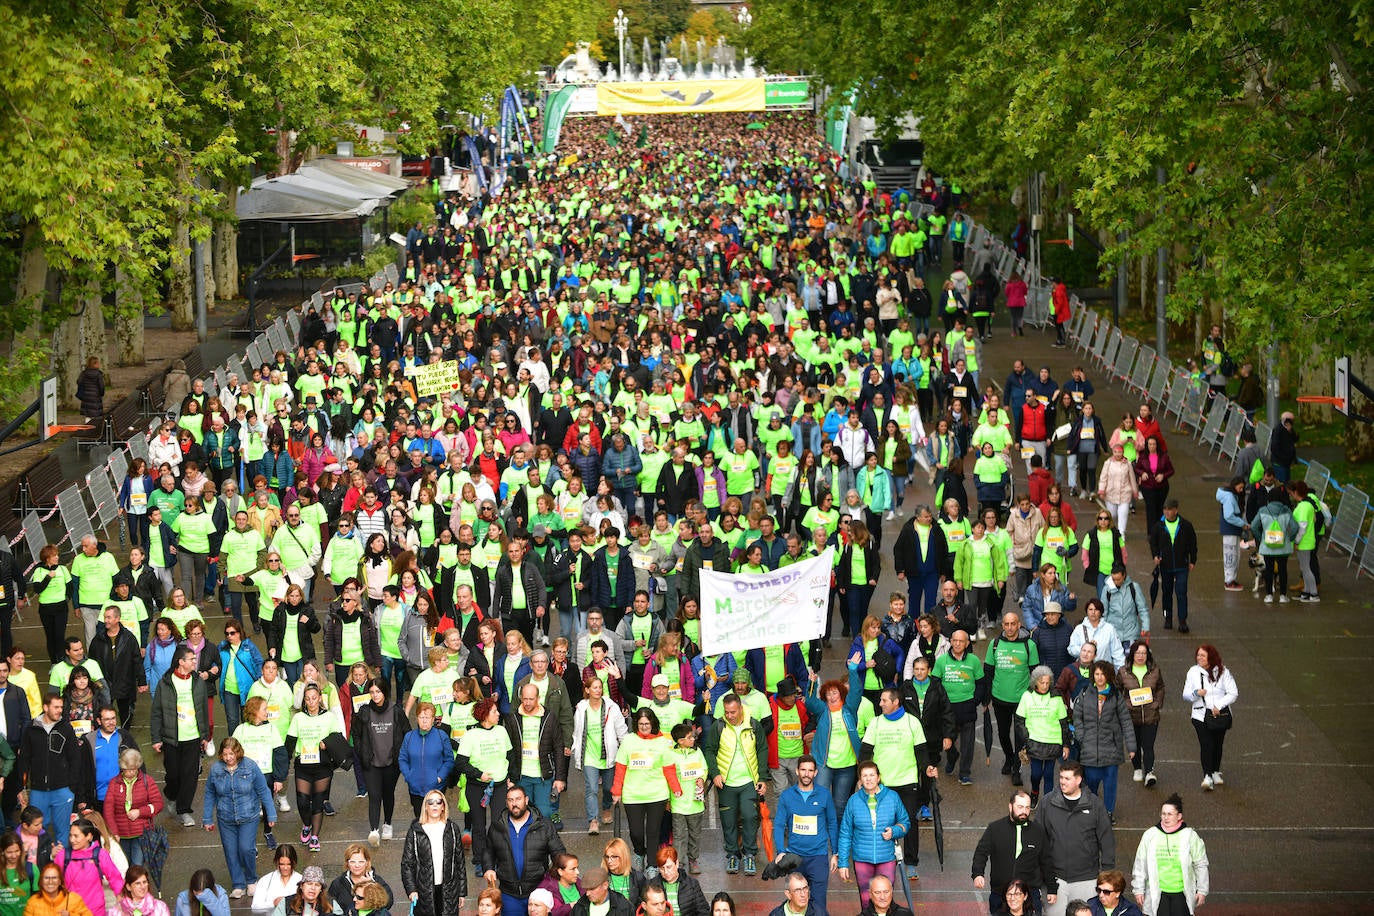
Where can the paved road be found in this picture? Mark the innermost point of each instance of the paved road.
(1293, 829)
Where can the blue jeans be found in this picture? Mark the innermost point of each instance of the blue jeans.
(597, 782)
(240, 851)
(817, 872)
(1104, 777)
(133, 849)
(292, 671)
(840, 782)
(538, 791)
(56, 805)
(1042, 771)
(923, 592)
(395, 667)
(514, 906)
(233, 712)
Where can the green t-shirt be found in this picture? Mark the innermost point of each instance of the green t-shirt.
(644, 760)
(309, 732)
(187, 729)
(277, 697)
(960, 676)
(691, 766)
(789, 729)
(488, 749)
(259, 742)
(1169, 863)
(840, 753)
(15, 890)
(1011, 663)
(1043, 712)
(893, 742)
(434, 687)
(594, 751)
(739, 472)
(389, 622)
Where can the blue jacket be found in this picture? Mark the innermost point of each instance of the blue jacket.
(826, 836)
(820, 717)
(624, 579)
(859, 839)
(239, 797)
(724, 668)
(885, 678)
(626, 459)
(249, 661)
(1033, 605)
(157, 661)
(279, 466)
(149, 484)
(213, 900)
(1232, 521)
(498, 677)
(426, 759)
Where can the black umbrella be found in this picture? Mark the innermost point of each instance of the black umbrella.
(987, 734)
(937, 822)
(898, 851)
(1154, 587)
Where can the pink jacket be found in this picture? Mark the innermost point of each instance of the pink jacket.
(1117, 483)
(83, 874)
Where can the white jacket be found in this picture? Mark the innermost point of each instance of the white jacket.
(1192, 853)
(1104, 635)
(160, 453)
(612, 731)
(1221, 693)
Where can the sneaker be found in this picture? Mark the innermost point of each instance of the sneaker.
(911, 873)
(313, 843)
(594, 828)
(1207, 782)
(1168, 623)
(557, 820)
(362, 793)
(732, 864)
(1284, 599)
(1314, 599)
(607, 816)
(1016, 778)
(1150, 779)
(374, 839)
(1268, 599)
(282, 803)
(386, 831)
(749, 867)
(269, 840)
(1006, 768)
(889, 516)
(1139, 776)
(236, 893)
(1183, 628)
(252, 889)
(1234, 587)
(694, 867)
(305, 834)
(925, 813)
(965, 780)
(187, 820)
(329, 809)
(1217, 780)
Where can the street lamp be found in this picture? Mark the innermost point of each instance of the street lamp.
(744, 17)
(622, 26)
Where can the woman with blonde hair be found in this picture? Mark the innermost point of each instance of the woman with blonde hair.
(436, 884)
(626, 880)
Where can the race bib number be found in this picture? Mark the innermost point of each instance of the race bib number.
(955, 536)
(310, 756)
(441, 697)
(1054, 541)
(1142, 696)
(185, 713)
(1085, 433)
(677, 567)
(529, 750)
(708, 564)
(1077, 397)
(642, 561)
(805, 824)
(1044, 401)
(82, 727)
(273, 713)
(1027, 452)
(360, 701)
(960, 391)
(641, 761)
(138, 499)
(791, 731)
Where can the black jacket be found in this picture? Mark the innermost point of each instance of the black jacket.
(145, 586)
(275, 629)
(481, 593)
(165, 707)
(553, 764)
(691, 899)
(17, 716)
(1081, 838)
(997, 846)
(541, 842)
(11, 578)
(895, 910)
(333, 635)
(50, 760)
(363, 728)
(619, 906)
(675, 487)
(936, 714)
(1176, 552)
(417, 869)
(533, 579)
(121, 660)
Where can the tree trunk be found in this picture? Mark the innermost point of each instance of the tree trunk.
(80, 337)
(180, 287)
(129, 313)
(207, 263)
(1359, 437)
(33, 272)
(226, 245)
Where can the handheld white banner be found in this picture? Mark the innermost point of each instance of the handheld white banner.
(745, 611)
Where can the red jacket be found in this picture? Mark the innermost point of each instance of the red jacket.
(147, 798)
(1038, 485)
(1033, 423)
(1146, 429)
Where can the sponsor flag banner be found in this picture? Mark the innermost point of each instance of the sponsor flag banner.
(680, 97)
(555, 111)
(788, 94)
(744, 611)
(435, 379)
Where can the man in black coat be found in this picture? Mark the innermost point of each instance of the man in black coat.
(596, 891)
(11, 590)
(535, 835)
(1173, 544)
(677, 483)
(116, 651)
(1016, 847)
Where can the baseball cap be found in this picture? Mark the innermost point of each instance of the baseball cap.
(660, 680)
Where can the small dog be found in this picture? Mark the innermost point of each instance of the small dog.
(1256, 566)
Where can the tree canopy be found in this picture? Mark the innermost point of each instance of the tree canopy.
(1258, 111)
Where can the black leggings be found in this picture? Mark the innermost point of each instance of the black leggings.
(1145, 746)
(1276, 568)
(381, 793)
(1210, 745)
(54, 617)
(480, 819)
(645, 822)
(312, 791)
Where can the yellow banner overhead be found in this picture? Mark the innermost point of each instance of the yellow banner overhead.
(679, 97)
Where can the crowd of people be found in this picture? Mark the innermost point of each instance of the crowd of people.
(712, 350)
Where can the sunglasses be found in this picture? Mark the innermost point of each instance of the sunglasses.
(1108, 890)
(1104, 518)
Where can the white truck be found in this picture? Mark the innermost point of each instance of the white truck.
(897, 163)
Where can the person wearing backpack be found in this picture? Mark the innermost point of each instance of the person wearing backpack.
(1277, 532)
(1312, 530)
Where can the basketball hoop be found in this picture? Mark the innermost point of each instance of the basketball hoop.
(54, 429)
(1338, 403)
